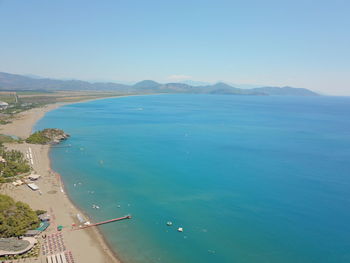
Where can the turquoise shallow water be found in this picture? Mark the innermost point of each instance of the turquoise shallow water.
(250, 179)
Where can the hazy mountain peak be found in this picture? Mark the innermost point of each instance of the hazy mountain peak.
(146, 84)
(221, 85)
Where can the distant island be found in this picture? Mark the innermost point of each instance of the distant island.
(13, 82)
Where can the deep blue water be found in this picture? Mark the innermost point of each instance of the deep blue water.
(250, 179)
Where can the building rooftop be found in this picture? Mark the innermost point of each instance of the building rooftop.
(44, 217)
(34, 176)
(34, 187)
(15, 246)
(30, 233)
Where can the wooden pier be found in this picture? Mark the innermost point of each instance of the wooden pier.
(105, 222)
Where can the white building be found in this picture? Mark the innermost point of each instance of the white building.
(34, 177)
(34, 187)
(3, 105)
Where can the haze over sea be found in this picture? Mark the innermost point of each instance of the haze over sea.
(249, 178)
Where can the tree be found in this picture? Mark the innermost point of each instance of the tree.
(16, 218)
(15, 164)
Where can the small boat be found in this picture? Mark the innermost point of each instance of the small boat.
(180, 229)
(169, 223)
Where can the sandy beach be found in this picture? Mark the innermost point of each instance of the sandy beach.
(86, 245)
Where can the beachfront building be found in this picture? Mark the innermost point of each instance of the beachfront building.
(34, 177)
(14, 246)
(44, 217)
(43, 226)
(32, 233)
(17, 182)
(3, 105)
(35, 232)
(34, 187)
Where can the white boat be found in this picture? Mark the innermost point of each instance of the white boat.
(180, 229)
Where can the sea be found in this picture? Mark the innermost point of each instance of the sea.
(250, 179)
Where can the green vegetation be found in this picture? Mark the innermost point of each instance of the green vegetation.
(8, 97)
(40, 212)
(16, 218)
(22, 101)
(12, 164)
(6, 139)
(4, 121)
(33, 92)
(47, 136)
(38, 138)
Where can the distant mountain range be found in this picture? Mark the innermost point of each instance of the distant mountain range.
(13, 82)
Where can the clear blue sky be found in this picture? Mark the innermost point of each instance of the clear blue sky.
(298, 42)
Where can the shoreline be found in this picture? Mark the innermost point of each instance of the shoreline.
(94, 231)
(88, 245)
